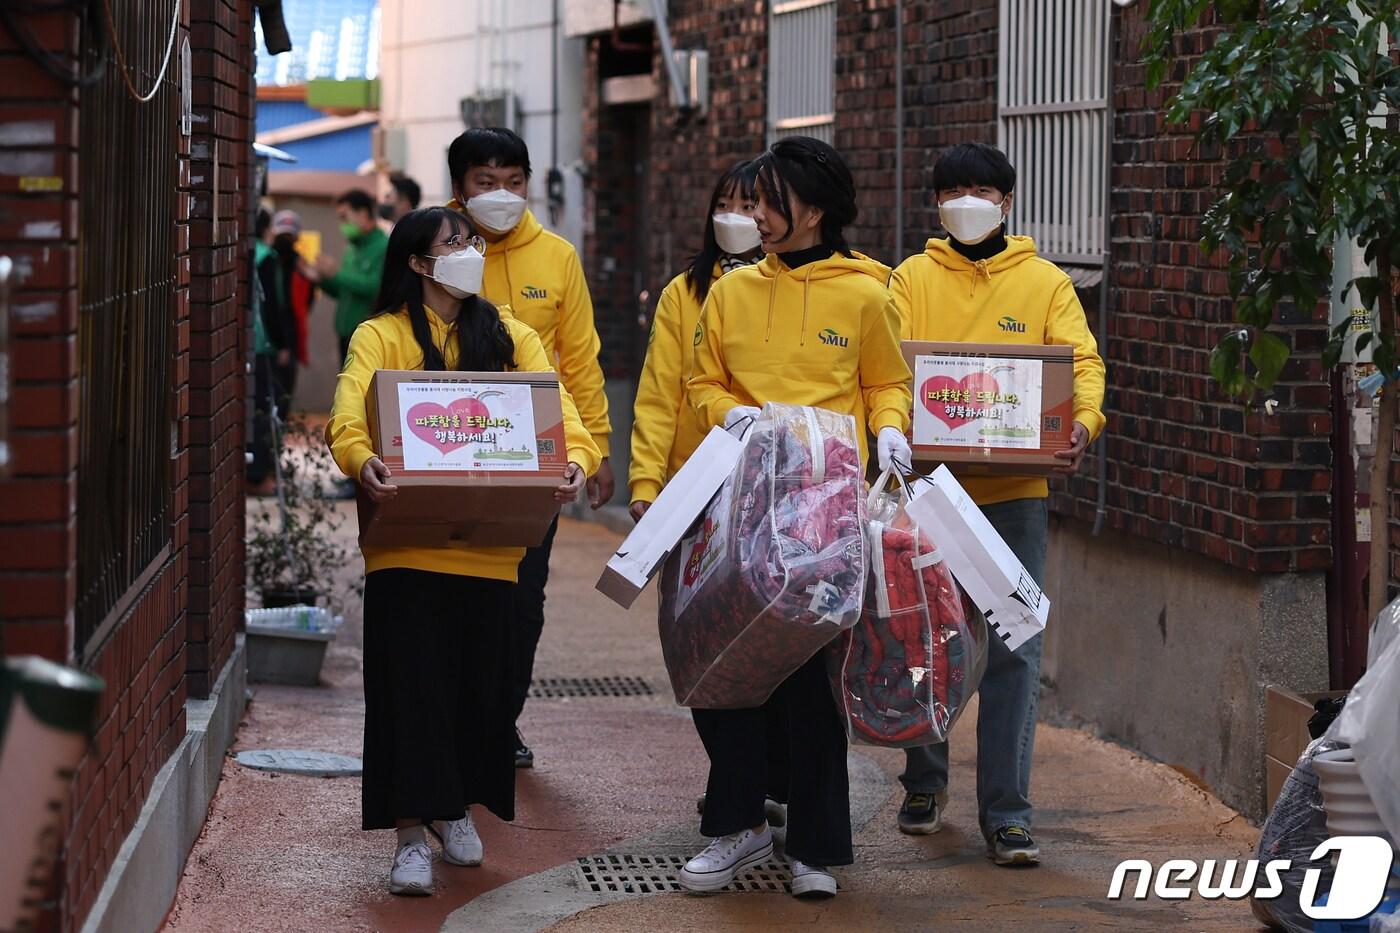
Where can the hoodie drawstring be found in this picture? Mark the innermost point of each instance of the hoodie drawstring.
(982, 267)
(806, 290)
(772, 290)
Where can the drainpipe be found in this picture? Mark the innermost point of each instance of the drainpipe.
(1101, 508)
(898, 132)
(668, 54)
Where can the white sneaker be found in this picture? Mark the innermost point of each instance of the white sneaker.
(811, 881)
(460, 843)
(725, 857)
(412, 873)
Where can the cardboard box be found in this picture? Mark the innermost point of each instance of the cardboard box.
(476, 456)
(988, 408)
(681, 502)
(980, 559)
(1286, 733)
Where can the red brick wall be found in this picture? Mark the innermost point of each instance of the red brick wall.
(950, 75)
(216, 317)
(1187, 467)
(141, 718)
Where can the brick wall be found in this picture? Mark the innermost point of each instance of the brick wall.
(143, 661)
(1187, 467)
(950, 74)
(215, 317)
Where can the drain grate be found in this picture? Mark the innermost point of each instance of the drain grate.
(553, 688)
(659, 874)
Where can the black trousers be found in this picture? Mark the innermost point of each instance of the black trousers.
(800, 716)
(528, 622)
(260, 444)
(438, 735)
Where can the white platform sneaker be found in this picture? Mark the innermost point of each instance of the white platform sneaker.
(809, 881)
(724, 858)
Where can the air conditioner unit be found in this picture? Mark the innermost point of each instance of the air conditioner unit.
(491, 110)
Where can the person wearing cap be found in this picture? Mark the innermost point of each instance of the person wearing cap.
(289, 293)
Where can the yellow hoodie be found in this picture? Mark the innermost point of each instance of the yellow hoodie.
(824, 334)
(665, 430)
(538, 274)
(1013, 297)
(386, 342)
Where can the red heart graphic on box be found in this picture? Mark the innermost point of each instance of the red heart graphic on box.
(971, 384)
(462, 409)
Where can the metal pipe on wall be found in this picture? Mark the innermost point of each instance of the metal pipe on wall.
(1101, 506)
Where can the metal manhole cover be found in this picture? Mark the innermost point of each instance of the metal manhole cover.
(300, 761)
(551, 688)
(660, 874)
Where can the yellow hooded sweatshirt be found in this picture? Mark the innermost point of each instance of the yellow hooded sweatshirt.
(1013, 297)
(665, 430)
(824, 334)
(538, 274)
(386, 342)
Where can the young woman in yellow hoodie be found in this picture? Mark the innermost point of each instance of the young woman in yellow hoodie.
(812, 324)
(437, 662)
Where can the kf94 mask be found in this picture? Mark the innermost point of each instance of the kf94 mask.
(969, 219)
(498, 211)
(460, 273)
(736, 234)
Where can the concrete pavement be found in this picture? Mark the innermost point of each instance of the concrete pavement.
(618, 775)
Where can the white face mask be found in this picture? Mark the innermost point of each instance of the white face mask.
(736, 234)
(498, 211)
(460, 273)
(970, 219)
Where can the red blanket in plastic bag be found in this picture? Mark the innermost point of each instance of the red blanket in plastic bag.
(903, 675)
(777, 566)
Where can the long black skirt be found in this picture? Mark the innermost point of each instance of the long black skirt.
(438, 729)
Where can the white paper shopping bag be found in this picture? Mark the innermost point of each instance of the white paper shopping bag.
(982, 562)
(681, 502)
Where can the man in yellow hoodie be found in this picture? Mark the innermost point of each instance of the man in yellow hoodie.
(982, 286)
(538, 274)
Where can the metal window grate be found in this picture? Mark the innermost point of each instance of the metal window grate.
(553, 688)
(660, 874)
(1052, 122)
(801, 70)
(127, 277)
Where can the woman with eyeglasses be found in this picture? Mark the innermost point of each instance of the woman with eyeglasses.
(438, 730)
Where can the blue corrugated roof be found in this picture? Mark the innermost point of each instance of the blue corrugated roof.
(341, 151)
(276, 114)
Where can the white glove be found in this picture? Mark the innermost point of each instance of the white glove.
(739, 413)
(894, 448)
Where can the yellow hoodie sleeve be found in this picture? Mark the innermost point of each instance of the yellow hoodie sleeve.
(1066, 325)
(708, 390)
(578, 345)
(903, 302)
(530, 358)
(884, 376)
(347, 432)
(660, 395)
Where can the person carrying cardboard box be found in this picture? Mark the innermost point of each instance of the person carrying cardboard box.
(981, 286)
(439, 730)
(538, 274)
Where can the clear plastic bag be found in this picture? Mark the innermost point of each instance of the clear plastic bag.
(904, 673)
(1296, 826)
(776, 567)
(1370, 724)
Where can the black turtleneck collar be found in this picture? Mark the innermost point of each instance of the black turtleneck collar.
(985, 250)
(802, 257)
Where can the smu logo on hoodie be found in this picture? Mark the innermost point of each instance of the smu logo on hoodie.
(1009, 325)
(833, 339)
(533, 293)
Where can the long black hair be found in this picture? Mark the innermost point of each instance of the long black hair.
(700, 274)
(817, 174)
(483, 343)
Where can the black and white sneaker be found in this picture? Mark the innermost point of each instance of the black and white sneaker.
(524, 758)
(1013, 846)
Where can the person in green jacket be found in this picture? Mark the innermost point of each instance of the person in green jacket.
(353, 281)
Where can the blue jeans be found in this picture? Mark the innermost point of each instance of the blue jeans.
(1007, 697)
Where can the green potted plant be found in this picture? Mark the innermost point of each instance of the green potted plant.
(294, 553)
